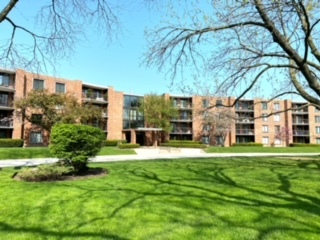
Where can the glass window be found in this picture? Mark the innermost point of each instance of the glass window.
(60, 88)
(276, 117)
(317, 119)
(4, 99)
(264, 105)
(277, 141)
(219, 103)
(264, 117)
(265, 140)
(276, 106)
(276, 129)
(36, 137)
(265, 129)
(317, 130)
(205, 103)
(318, 140)
(205, 139)
(4, 80)
(36, 118)
(38, 84)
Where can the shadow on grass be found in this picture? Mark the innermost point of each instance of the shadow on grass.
(57, 234)
(230, 182)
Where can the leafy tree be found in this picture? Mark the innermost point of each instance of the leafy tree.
(218, 123)
(75, 144)
(244, 45)
(46, 109)
(284, 135)
(158, 111)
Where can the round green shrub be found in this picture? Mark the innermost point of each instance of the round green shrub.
(74, 144)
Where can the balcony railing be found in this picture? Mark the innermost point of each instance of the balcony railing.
(244, 109)
(94, 96)
(244, 131)
(181, 130)
(181, 118)
(302, 122)
(300, 111)
(6, 104)
(244, 121)
(300, 132)
(6, 124)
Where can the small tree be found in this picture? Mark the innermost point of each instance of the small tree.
(75, 144)
(52, 108)
(219, 122)
(158, 111)
(283, 135)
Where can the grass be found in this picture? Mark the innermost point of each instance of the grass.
(227, 198)
(262, 150)
(43, 152)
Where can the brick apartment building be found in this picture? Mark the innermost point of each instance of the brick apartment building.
(253, 122)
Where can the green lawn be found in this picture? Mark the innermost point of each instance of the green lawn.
(43, 152)
(262, 150)
(227, 198)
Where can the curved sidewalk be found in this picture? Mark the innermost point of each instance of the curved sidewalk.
(149, 154)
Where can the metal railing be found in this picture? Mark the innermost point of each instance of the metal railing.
(245, 131)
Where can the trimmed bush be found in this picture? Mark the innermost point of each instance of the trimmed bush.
(47, 172)
(113, 143)
(182, 144)
(128, 146)
(8, 142)
(248, 144)
(74, 144)
(303, 145)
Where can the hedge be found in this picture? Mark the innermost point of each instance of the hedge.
(303, 145)
(183, 142)
(128, 145)
(183, 145)
(112, 143)
(8, 142)
(248, 144)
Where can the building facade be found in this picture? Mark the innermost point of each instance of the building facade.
(273, 123)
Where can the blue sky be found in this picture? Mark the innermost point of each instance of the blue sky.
(117, 64)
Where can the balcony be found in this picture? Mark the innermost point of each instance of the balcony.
(182, 119)
(6, 105)
(300, 122)
(300, 111)
(300, 132)
(6, 124)
(244, 121)
(6, 87)
(95, 98)
(244, 131)
(181, 131)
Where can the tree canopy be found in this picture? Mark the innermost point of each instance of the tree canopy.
(244, 46)
(47, 109)
(158, 111)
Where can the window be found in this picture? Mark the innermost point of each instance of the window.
(317, 130)
(205, 103)
(277, 142)
(317, 109)
(276, 129)
(4, 80)
(219, 103)
(38, 84)
(264, 105)
(206, 127)
(276, 106)
(264, 117)
(318, 140)
(4, 100)
(317, 119)
(205, 139)
(276, 117)
(265, 140)
(36, 118)
(36, 137)
(60, 88)
(265, 129)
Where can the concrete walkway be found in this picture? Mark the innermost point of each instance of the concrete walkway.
(150, 154)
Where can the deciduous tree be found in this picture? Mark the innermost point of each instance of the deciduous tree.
(46, 109)
(244, 45)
